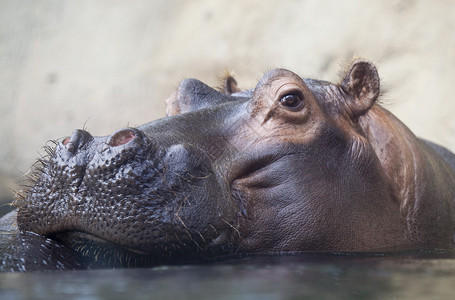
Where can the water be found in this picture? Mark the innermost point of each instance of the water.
(423, 275)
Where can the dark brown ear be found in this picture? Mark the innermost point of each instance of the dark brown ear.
(362, 84)
(230, 85)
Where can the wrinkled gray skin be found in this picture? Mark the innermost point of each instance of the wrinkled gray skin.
(291, 165)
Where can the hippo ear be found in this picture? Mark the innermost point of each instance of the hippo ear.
(193, 95)
(230, 85)
(362, 84)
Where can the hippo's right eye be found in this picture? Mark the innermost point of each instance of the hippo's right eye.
(292, 102)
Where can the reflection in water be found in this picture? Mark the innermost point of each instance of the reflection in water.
(313, 276)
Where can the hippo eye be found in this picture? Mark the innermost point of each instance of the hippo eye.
(293, 102)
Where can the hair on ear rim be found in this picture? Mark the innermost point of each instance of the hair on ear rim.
(361, 83)
(344, 67)
(228, 84)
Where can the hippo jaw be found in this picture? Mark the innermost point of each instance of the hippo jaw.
(125, 192)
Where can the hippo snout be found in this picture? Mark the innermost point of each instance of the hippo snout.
(127, 189)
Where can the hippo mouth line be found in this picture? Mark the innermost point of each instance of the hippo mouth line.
(72, 238)
(100, 252)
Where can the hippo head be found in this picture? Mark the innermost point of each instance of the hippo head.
(286, 166)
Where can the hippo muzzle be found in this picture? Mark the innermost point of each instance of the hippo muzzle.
(129, 192)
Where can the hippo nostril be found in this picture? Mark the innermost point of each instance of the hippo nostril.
(78, 139)
(122, 137)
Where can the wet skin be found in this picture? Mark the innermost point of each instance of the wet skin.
(291, 165)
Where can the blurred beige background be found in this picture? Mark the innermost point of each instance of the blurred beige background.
(109, 64)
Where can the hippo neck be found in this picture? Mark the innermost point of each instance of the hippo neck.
(395, 146)
(411, 167)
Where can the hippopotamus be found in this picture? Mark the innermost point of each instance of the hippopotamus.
(293, 165)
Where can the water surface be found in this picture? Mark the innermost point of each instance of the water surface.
(420, 275)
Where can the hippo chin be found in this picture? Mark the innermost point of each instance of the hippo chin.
(292, 165)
